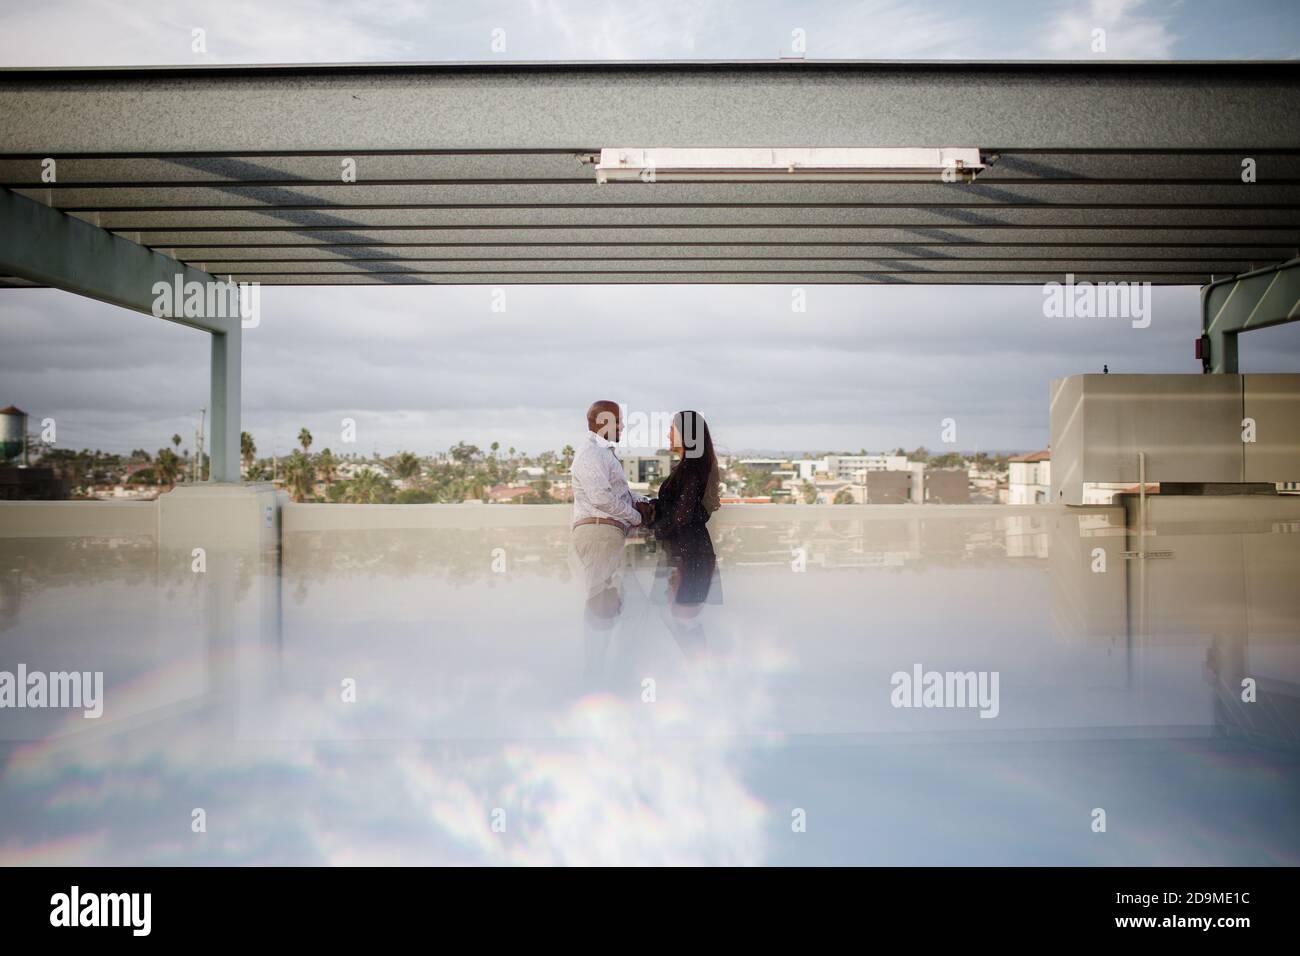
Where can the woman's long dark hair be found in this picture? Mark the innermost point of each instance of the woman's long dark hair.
(698, 457)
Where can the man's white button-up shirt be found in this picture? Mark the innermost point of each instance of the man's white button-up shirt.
(600, 488)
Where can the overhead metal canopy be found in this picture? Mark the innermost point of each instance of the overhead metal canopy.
(475, 173)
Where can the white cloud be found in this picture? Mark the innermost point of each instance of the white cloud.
(1132, 31)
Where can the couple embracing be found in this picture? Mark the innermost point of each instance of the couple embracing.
(602, 498)
(605, 510)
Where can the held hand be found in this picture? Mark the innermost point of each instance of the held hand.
(646, 510)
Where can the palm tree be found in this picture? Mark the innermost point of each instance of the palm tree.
(368, 488)
(304, 439)
(568, 454)
(300, 476)
(326, 465)
(247, 450)
(167, 467)
(405, 465)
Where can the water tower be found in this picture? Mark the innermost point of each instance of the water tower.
(13, 433)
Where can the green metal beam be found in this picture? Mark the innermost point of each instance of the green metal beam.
(225, 394)
(50, 248)
(1252, 300)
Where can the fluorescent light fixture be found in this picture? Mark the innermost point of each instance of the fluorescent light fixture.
(789, 164)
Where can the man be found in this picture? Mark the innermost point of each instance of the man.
(601, 496)
(604, 511)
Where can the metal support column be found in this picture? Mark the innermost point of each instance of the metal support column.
(226, 361)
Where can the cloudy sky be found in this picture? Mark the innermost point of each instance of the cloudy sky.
(97, 32)
(420, 368)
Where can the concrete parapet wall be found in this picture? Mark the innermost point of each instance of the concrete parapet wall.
(77, 519)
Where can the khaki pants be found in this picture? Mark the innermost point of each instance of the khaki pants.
(599, 548)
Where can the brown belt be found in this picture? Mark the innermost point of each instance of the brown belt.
(617, 524)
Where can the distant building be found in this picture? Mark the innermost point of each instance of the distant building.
(887, 487)
(768, 465)
(806, 468)
(502, 494)
(647, 469)
(135, 492)
(878, 480)
(847, 467)
(947, 486)
(32, 484)
(1029, 480)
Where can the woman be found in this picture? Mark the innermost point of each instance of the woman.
(688, 496)
(690, 493)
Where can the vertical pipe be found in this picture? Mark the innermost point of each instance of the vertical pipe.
(1142, 572)
(1142, 502)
